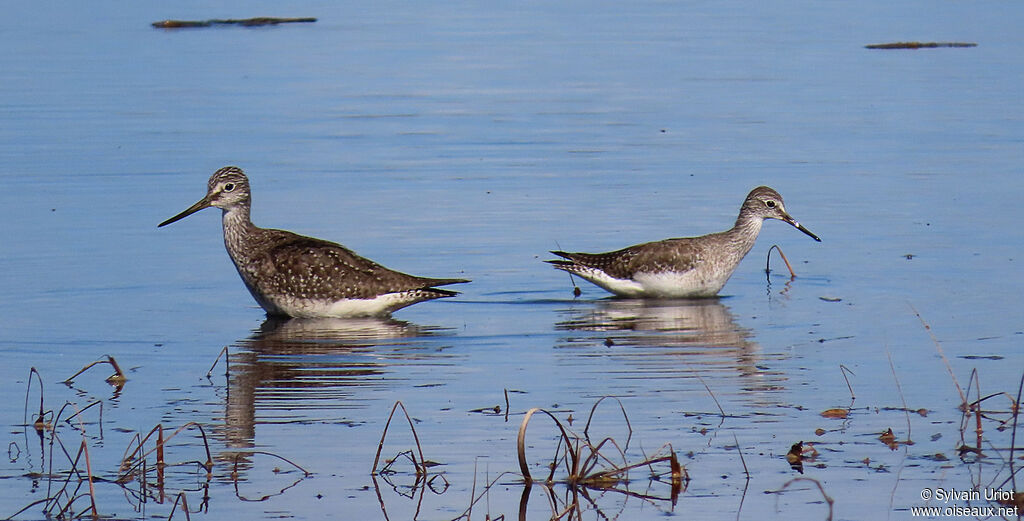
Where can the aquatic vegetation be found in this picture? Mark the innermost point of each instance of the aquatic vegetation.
(144, 472)
(182, 466)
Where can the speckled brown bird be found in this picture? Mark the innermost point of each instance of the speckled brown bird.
(303, 277)
(681, 268)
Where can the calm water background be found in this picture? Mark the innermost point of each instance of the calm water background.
(467, 140)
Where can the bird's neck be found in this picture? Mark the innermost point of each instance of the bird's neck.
(237, 228)
(744, 232)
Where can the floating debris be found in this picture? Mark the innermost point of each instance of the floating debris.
(828, 298)
(981, 357)
(918, 45)
(795, 454)
(246, 22)
(800, 452)
(494, 409)
(887, 436)
(835, 413)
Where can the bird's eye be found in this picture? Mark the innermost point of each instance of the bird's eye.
(769, 203)
(229, 187)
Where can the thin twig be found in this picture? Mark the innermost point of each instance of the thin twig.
(184, 506)
(117, 379)
(829, 500)
(938, 347)
(899, 389)
(767, 266)
(843, 369)
(137, 456)
(88, 472)
(28, 390)
(521, 442)
(224, 353)
(1013, 434)
(743, 497)
(976, 378)
(30, 505)
(87, 407)
(720, 409)
(586, 428)
(282, 458)
(740, 450)
(383, 435)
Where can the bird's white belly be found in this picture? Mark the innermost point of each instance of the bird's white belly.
(377, 306)
(659, 285)
(620, 287)
(668, 284)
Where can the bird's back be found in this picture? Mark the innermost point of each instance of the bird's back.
(279, 266)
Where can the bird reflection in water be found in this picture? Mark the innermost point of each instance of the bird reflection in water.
(668, 339)
(314, 370)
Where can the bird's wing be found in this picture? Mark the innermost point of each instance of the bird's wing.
(678, 255)
(325, 270)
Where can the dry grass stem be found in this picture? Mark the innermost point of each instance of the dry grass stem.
(117, 379)
(88, 472)
(227, 368)
(899, 389)
(625, 417)
(72, 482)
(421, 468)
(474, 498)
(740, 451)
(184, 506)
(768, 268)
(86, 408)
(843, 369)
(235, 474)
(720, 409)
(973, 408)
(134, 459)
(30, 505)
(587, 467)
(40, 424)
(282, 458)
(1013, 433)
(829, 500)
(938, 347)
(524, 468)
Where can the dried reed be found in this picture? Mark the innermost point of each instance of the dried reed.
(588, 467)
(826, 497)
(420, 466)
(117, 379)
(768, 263)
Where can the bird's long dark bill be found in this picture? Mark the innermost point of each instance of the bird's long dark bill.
(800, 227)
(203, 203)
(808, 232)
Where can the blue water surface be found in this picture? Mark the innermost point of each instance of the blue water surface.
(466, 140)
